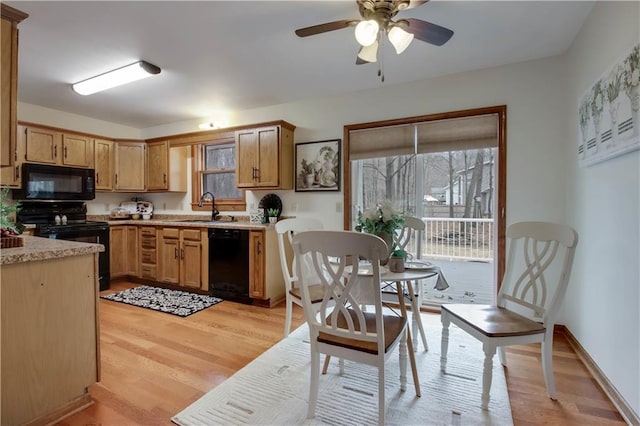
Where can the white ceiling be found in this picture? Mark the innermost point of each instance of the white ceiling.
(236, 55)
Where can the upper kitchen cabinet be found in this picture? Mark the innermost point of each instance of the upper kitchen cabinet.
(130, 160)
(166, 167)
(51, 146)
(9, 82)
(103, 164)
(11, 176)
(264, 157)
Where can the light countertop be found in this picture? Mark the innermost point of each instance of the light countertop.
(37, 248)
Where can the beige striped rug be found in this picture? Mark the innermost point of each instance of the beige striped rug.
(274, 388)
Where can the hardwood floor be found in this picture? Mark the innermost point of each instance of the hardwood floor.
(154, 365)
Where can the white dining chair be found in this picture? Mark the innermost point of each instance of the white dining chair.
(411, 233)
(339, 326)
(286, 229)
(540, 256)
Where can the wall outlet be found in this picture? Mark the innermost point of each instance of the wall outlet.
(106, 207)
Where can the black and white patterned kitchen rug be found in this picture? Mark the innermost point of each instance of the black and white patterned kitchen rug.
(175, 302)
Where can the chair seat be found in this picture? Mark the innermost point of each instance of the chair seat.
(493, 321)
(393, 326)
(315, 291)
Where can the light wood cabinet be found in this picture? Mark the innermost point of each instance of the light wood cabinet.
(148, 253)
(123, 251)
(182, 255)
(166, 167)
(50, 338)
(103, 162)
(11, 176)
(9, 82)
(50, 146)
(264, 157)
(77, 150)
(130, 161)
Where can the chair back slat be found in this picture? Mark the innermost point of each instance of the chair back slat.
(539, 261)
(340, 312)
(412, 231)
(285, 230)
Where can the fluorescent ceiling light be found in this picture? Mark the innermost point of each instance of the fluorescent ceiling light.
(117, 77)
(399, 38)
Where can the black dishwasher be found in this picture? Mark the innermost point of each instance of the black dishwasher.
(229, 264)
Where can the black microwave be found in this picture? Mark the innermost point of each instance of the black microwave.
(44, 182)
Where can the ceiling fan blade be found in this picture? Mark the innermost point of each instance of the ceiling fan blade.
(415, 3)
(326, 27)
(426, 31)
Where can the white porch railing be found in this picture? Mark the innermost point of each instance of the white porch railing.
(458, 238)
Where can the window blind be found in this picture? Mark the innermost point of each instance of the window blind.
(453, 134)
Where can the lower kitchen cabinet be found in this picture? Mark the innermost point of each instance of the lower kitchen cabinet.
(181, 257)
(123, 251)
(256, 264)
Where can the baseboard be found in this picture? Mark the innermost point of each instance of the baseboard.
(607, 387)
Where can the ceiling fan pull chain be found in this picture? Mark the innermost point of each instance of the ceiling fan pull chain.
(381, 63)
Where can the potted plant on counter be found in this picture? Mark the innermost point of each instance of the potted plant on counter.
(9, 229)
(273, 215)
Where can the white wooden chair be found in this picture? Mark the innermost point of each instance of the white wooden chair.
(286, 229)
(528, 301)
(340, 327)
(412, 231)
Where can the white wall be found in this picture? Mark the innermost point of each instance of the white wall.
(603, 299)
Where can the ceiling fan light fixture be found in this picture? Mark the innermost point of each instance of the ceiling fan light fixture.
(399, 38)
(117, 77)
(369, 53)
(367, 32)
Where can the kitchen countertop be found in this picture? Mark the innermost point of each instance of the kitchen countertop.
(180, 222)
(36, 248)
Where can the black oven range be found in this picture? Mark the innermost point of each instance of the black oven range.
(67, 220)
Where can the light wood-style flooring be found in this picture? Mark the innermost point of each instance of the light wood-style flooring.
(154, 365)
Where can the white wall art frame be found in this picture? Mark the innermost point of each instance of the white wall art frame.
(609, 112)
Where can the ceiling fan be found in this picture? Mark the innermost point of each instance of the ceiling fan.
(377, 20)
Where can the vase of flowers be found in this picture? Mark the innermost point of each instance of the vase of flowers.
(9, 229)
(273, 215)
(382, 220)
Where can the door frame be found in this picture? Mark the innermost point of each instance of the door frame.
(501, 168)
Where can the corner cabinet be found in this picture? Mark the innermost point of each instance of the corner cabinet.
(166, 167)
(264, 157)
(9, 80)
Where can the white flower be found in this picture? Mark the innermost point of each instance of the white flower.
(371, 214)
(388, 211)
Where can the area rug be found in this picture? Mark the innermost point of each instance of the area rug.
(180, 303)
(274, 388)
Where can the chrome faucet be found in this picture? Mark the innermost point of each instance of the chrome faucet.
(214, 211)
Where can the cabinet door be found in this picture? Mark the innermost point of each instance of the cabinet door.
(191, 263)
(268, 165)
(9, 77)
(103, 164)
(158, 166)
(130, 160)
(41, 145)
(77, 151)
(256, 260)
(169, 256)
(117, 251)
(133, 262)
(11, 177)
(246, 158)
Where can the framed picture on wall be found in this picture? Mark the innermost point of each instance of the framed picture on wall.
(318, 166)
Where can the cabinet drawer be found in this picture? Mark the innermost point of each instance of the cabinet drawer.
(148, 271)
(148, 242)
(148, 256)
(148, 231)
(171, 233)
(191, 234)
